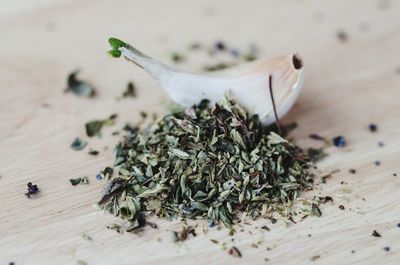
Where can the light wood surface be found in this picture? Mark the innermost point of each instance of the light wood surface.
(348, 85)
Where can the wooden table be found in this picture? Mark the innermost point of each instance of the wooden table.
(349, 84)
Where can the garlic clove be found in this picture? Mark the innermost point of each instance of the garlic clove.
(247, 83)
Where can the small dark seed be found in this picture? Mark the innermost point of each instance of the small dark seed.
(372, 127)
(339, 141)
(386, 248)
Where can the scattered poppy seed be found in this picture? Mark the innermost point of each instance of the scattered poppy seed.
(353, 251)
(373, 127)
(339, 141)
(398, 225)
(99, 177)
(32, 189)
(386, 248)
(341, 207)
(381, 144)
(377, 163)
(394, 175)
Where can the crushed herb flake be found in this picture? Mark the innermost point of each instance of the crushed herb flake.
(78, 144)
(130, 91)
(93, 152)
(79, 87)
(93, 128)
(376, 234)
(234, 251)
(80, 180)
(315, 210)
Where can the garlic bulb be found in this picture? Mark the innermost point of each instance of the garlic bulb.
(247, 83)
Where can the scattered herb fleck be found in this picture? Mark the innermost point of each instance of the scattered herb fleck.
(80, 180)
(315, 210)
(234, 251)
(376, 234)
(264, 227)
(183, 235)
(32, 189)
(86, 237)
(316, 154)
(177, 57)
(214, 241)
(79, 87)
(339, 141)
(81, 262)
(218, 66)
(152, 225)
(93, 152)
(130, 91)
(78, 144)
(342, 36)
(93, 128)
(314, 258)
(318, 137)
(325, 199)
(219, 45)
(372, 127)
(352, 171)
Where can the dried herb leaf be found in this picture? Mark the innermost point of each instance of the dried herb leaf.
(80, 180)
(376, 234)
(315, 210)
(130, 91)
(78, 144)
(93, 128)
(93, 152)
(234, 251)
(79, 87)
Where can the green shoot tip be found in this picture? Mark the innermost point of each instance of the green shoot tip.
(115, 45)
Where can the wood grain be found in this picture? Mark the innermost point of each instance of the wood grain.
(348, 85)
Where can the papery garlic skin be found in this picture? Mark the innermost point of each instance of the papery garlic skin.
(247, 83)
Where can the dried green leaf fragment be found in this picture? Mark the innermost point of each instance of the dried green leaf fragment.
(80, 180)
(79, 87)
(78, 144)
